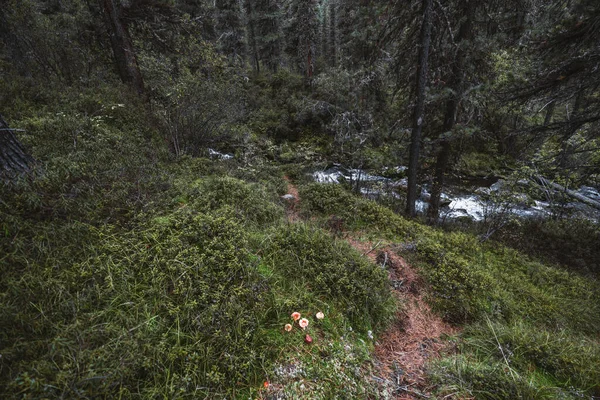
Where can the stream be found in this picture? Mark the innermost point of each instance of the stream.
(473, 200)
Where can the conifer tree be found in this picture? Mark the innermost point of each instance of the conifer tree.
(301, 33)
(229, 28)
(264, 37)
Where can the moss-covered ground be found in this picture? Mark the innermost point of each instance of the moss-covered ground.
(127, 273)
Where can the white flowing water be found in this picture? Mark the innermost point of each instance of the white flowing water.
(475, 206)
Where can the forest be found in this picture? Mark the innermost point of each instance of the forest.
(300, 199)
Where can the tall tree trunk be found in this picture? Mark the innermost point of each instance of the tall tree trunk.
(309, 62)
(120, 40)
(418, 112)
(14, 159)
(252, 38)
(333, 40)
(456, 84)
(324, 39)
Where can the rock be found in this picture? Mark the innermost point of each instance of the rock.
(498, 185)
(445, 200)
(425, 195)
(483, 191)
(289, 197)
(402, 183)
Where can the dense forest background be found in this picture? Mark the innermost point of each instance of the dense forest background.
(140, 136)
(495, 85)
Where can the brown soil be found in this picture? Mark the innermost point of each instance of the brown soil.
(415, 337)
(291, 212)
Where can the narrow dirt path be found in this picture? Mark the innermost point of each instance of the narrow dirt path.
(292, 202)
(415, 337)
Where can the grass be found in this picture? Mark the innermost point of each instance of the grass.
(530, 329)
(125, 273)
(173, 281)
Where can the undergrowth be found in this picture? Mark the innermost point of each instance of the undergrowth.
(530, 328)
(125, 273)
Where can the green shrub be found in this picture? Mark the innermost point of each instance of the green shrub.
(460, 376)
(327, 199)
(457, 288)
(356, 212)
(270, 178)
(521, 361)
(165, 309)
(570, 242)
(330, 269)
(250, 201)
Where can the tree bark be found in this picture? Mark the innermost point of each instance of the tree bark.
(14, 160)
(120, 40)
(456, 84)
(418, 112)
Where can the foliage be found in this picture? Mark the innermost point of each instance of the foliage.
(544, 315)
(333, 272)
(250, 202)
(519, 360)
(130, 266)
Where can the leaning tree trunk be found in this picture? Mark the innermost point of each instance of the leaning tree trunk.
(584, 199)
(14, 160)
(418, 113)
(120, 40)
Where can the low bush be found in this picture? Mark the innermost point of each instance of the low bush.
(250, 201)
(543, 317)
(331, 270)
(570, 242)
(326, 200)
(166, 309)
(519, 360)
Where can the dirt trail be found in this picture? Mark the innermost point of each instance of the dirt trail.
(291, 211)
(415, 337)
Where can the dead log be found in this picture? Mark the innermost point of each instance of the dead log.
(559, 188)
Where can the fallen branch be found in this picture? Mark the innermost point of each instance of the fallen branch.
(546, 183)
(373, 248)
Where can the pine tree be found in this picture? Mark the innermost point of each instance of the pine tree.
(418, 112)
(301, 34)
(229, 28)
(124, 53)
(264, 36)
